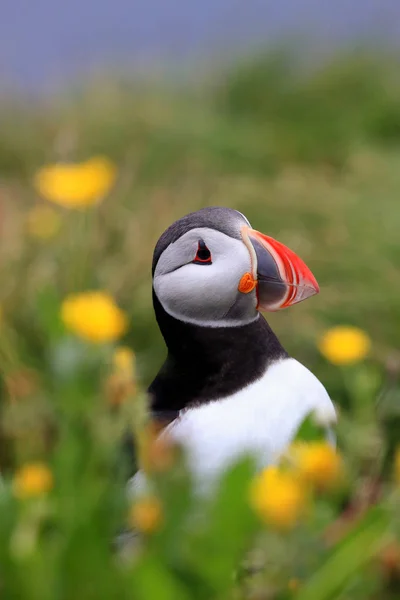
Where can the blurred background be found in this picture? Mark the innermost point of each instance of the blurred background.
(48, 43)
(289, 112)
(116, 119)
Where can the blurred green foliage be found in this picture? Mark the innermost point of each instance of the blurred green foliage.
(311, 157)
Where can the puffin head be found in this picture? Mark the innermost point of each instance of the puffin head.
(211, 268)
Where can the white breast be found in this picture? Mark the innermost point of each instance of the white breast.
(260, 419)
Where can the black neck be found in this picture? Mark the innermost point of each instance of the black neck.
(206, 363)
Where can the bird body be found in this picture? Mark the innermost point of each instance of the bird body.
(228, 387)
(260, 420)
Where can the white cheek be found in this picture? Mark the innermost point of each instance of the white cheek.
(198, 292)
(205, 294)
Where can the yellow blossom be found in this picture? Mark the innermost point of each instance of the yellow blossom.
(93, 316)
(124, 361)
(278, 497)
(43, 222)
(344, 345)
(32, 480)
(76, 185)
(146, 514)
(317, 463)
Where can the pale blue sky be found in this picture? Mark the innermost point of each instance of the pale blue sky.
(44, 41)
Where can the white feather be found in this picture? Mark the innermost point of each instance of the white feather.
(261, 420)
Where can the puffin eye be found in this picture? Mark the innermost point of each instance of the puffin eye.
(203, 255)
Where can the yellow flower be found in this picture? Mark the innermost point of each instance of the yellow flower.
(76, 185)
(146, 514)
(124, 361)
(93, 316)
(344, 345)
(32, 480)
(317, 463)
(43, 222)
(278, 497)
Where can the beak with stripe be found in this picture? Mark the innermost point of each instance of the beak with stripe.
(281, 278)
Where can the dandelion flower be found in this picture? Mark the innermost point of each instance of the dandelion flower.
(43, 222)
(76, 185)
(93, 316)
(344, 345)
(279, 498)
(317, 463)
(146, 514)
(32, 480)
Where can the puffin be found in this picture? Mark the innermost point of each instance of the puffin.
(228, 388)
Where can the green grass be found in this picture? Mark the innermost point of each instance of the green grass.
(313, 159)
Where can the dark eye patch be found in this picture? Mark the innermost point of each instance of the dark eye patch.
(203, 254)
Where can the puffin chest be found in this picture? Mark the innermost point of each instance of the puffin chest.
(260, 419)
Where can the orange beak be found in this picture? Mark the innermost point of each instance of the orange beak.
(282, 277)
